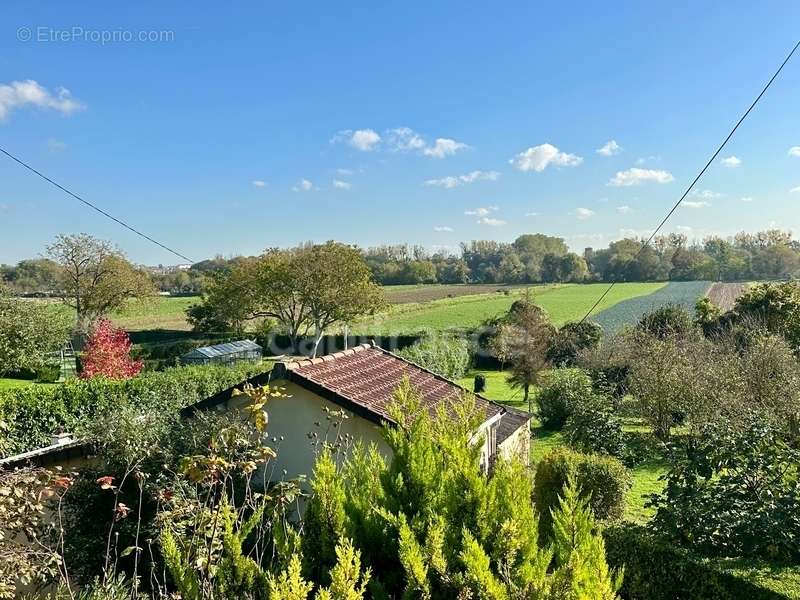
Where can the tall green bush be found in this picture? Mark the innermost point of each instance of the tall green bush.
(33, 413)
(593, 427)
(560, 389)
(431, 525)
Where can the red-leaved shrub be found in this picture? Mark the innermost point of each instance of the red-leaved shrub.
(108, 353)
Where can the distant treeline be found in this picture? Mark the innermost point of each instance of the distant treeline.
(531, 258)
(535, 258)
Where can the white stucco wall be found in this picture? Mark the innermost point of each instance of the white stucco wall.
(293, 417)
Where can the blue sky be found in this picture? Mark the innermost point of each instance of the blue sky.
(440, 121)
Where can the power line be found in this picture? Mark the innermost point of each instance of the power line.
(94, 207)
(699, 175)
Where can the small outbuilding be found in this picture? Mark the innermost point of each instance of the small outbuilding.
(223, 354)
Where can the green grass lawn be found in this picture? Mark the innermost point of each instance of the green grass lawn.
(563, 302)
(7, 383)
(162, 312)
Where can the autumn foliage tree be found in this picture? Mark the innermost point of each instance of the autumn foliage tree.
(108, 353)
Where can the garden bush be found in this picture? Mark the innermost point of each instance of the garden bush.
(33, 413)
(656, 569)
(445, 355)
(592, 426)
(561, 388)
(571, 340)
(666, 321)
(733, 491)
(603, 479)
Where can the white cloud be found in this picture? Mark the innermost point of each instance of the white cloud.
(794, 151)
(684, 229)
(55, 145)
(404, 139)
(344, 172)
(747, 199)
(304, 185)
(695, 203)
(538, 158)
(365, 140)
(705, 194)
(731, 162)
(19, 94)
(259, 183)
(341, 185)
(623, 210)
(583, 213)
(458, 180)
(531, 214)
(442, 228)
(481, 212)
(492, 222)
(444, 147)
(795, 190)
(633, 234)
(636, 176)
(610, 148)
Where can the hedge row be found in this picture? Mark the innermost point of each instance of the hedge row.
(657, 570)
(29, 415)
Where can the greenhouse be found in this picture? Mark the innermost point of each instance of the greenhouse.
(223, 354)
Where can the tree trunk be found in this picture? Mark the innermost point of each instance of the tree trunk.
(527, 397)
(294, 341)
(318, 333)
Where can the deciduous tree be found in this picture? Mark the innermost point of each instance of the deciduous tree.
(95, 277)
(306, 290)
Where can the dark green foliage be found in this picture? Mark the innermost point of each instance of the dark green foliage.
(666, 321)
(734, 491)
(777, 305)
(656, 569)
(33, 413)
(603, 479)
(88, 512)
(445, 355)
(560, 389)
(571, 340)
(593, 427)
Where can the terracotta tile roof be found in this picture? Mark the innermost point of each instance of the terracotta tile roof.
(366, 377)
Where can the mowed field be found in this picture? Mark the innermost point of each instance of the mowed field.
(163, 312)
(415, 308)
(630, 310)
(563, 302)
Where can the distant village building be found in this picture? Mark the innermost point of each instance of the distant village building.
(223, 354)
